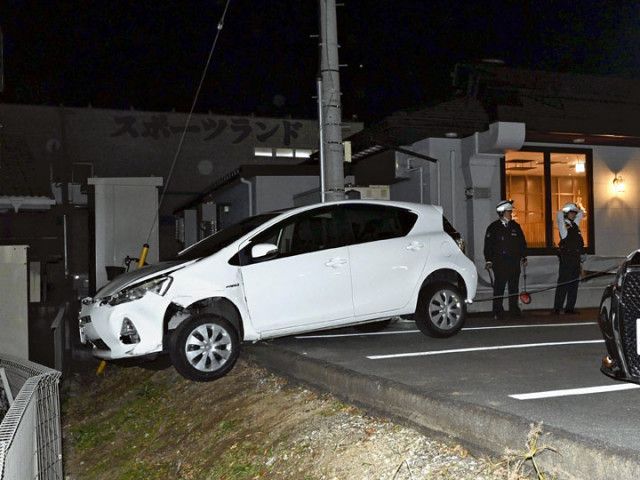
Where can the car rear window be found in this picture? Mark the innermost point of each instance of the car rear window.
(370, 223)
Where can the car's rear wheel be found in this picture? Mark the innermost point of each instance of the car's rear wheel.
(204, 347)
(373, 327)
(441, 310)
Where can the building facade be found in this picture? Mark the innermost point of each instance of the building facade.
(541, 139)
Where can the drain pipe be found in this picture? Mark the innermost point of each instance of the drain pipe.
(250, 190)
(452, 161)
(438, 182)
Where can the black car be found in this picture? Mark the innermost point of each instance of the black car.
(619, 321)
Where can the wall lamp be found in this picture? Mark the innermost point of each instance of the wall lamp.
(618, 184)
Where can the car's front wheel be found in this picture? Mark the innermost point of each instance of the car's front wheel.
(204, 347)
(441, 310)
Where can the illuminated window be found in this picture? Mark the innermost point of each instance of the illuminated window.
(263, 152)
(301, 153)
(284, 152)
(541, 181)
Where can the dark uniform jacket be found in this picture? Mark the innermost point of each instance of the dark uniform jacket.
(572, 244)
(504, 243)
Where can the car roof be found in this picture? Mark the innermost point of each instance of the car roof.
(419, 207)
(430, 215)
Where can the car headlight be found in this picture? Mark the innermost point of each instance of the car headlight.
(158, 285)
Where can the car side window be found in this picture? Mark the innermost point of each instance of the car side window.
(370, 223)
(319, 229)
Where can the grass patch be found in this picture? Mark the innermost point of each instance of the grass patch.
(228, 426)
(92, 435)
(524, 463)
(239, 462)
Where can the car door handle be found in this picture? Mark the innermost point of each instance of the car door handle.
(415, 246)
(336, 262)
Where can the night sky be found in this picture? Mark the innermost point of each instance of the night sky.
(150, 54)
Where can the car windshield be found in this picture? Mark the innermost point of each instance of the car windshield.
(213, 243)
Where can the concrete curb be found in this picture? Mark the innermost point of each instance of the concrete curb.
(480, 428)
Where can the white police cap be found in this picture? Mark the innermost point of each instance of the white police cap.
(570, 207)
(504, 206)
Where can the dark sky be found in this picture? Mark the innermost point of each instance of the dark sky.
(150, 54)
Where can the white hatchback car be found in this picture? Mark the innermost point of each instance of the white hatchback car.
(315, 267)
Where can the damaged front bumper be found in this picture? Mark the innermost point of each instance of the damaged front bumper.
(131, 329)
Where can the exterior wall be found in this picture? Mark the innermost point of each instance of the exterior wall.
(268, 193)
(616, 215)
(134, 143)
(236, 196)
(129, 143)
(124, 218)
(277, 192)
(14, 313)
(443, 182)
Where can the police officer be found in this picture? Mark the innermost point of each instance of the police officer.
(504, 251)
(571, 255)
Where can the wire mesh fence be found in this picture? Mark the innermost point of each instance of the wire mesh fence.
(30, 433)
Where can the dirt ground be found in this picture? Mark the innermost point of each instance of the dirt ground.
(149, 423)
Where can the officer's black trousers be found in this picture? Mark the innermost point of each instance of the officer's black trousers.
(506, 273)
(569, 275)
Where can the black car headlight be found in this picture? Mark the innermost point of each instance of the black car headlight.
(158, 285)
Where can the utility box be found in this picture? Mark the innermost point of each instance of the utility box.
(14, 301)
(125, 212)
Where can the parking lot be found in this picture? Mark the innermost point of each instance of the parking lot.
(538, 368)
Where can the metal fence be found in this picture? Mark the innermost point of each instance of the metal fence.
(30, 434)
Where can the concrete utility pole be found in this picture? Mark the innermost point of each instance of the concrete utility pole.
(332, 118)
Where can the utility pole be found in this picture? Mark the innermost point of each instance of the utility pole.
(332, 117)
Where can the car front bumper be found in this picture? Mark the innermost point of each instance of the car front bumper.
(619, 322)
(100, 326)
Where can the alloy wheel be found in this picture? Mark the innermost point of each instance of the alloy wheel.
(445, 309)
(208, 347)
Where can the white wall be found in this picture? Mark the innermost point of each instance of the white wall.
(14, 314)
(125, 210)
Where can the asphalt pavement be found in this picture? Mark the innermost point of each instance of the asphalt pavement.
(484, 386)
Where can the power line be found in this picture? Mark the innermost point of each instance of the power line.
(186, 125)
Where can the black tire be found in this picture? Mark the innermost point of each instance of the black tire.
(441, 310)
(373, 327)
(204, 347)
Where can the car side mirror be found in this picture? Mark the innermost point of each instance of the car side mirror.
(264, 251)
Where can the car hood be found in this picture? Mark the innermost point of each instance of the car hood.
(136, 276)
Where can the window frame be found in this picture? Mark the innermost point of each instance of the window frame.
(551, 215)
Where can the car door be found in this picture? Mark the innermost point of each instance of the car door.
(307, 283)
(386, 262)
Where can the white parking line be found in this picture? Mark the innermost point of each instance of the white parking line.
(574, 391)
(497, 327)
(336, 335)
(481, 349)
